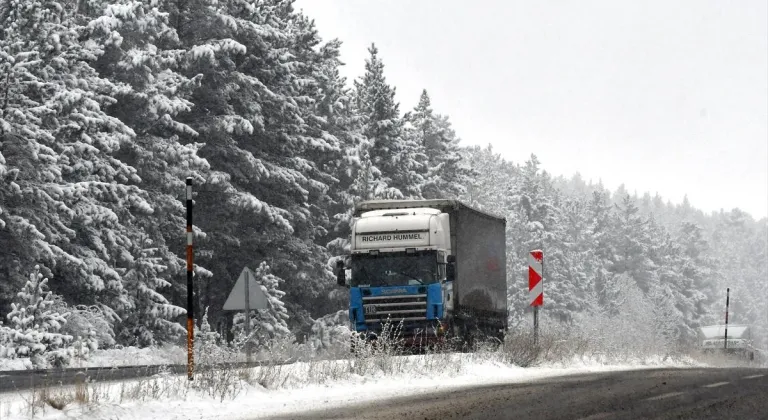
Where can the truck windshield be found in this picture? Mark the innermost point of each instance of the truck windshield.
(394, 269)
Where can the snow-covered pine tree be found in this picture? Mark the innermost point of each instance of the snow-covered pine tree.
(355, 178)
(600, 215)
(88, 326)
(36, 325)
(446, 175)
(141, 52)
(209, 349)
(253, 109)
(532, 223)
(414, 159)
(370, 183)
(331, 332)
(632, 244)
(671, 292)
(333, 118)
(759, 258)
(491, 183)
(632, 328)
(618, 196)
(398, 158)
(225, 214)
(148, 317)
(576, 187)
(7, 349)
(740, 248)
(29, 221)
(552, 217)
(206, 336)
(334, 107)
(694, 277)
(5, 239)
(423, 132)
(69, 198)
(668, 320)
(455, 173)
(580, 267)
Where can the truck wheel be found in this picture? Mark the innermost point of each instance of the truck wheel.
(495, 342)
(466, 340)
(473, 338)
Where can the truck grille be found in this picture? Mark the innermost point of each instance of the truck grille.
(395, 308)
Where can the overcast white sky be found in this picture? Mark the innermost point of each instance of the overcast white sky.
(668, 97)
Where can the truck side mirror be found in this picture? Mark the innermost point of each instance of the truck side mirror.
(341, 274)
(450, 271)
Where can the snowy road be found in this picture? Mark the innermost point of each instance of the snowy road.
(659, 394)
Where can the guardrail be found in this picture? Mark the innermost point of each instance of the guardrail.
(18, 380)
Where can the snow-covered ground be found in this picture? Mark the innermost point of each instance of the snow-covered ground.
(296, 388)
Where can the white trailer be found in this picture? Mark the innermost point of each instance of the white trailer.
(712, 338)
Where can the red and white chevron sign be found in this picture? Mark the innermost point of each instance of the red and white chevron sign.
(535, 273)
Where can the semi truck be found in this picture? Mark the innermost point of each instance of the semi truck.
(435, 268)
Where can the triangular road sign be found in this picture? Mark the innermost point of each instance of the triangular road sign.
(236, 299)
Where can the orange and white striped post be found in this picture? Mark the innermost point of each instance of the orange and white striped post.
(190, 287)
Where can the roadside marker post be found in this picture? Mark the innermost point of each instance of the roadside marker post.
(727, 302)
(190, 287)
(536, 287)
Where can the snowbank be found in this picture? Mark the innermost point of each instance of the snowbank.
(126, 356)
(272, 391)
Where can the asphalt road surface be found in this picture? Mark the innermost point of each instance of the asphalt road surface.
(700, 393)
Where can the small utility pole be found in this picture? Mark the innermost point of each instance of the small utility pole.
(190, 287)
(536, 311)
(727, 302)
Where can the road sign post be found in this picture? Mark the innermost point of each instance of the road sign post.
(727, 302)
(247, 303)
(246, 285)
(536, 287)
(190, 286)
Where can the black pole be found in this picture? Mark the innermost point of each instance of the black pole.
(727, 302)
(536, 308)
(190, 287)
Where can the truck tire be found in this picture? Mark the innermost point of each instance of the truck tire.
(495, 342)
(458, 337)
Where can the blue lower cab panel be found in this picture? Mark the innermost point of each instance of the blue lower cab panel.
(356, 316)
(434, 301)
(432, 309)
